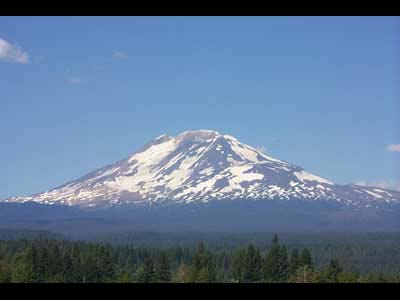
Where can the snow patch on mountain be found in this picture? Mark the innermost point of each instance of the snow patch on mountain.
(302, 176)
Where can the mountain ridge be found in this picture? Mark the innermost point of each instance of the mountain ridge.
(201, 166)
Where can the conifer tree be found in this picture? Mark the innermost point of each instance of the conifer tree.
(306, 259)
(272, 261)
(76, 274)
(24, 267)
(294, 262)
(5, 275)
(304, 275)
(203, 266)
(333, 271)
(163, 269)
(182, 274)
(238, 265)
(283, 265)
(275, 239)
(43, 266)
(252, 265)
(105, 265)
(146, 273)
(54, 259)
(67, 268)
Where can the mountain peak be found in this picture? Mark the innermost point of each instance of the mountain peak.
(199, 135)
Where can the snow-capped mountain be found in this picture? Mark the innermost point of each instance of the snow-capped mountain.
(204, 166)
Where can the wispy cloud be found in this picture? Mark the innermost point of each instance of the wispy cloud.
(74, 80)
(384, 184)
(12, 53)
(119, 54)
(393, 148)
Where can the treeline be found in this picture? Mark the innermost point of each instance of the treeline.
(56, 261)
(363, 253)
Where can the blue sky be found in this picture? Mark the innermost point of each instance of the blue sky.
(77, 93)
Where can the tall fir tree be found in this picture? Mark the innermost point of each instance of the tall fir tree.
(54, 259)
(163, 268)
(238, 265)
(304, 275)
(105, 265)
(306, 258)
(25, 267)
(294, 262)
(283, 266)
(252, 265)
(76, 274)
(271, 261)
(333, 271)
(5, 274)
(182, 274)
(67, 268)
(146, 272)
(203, 266)
(44, 264)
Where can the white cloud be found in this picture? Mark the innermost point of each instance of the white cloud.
(384, 184)
(119, 54)
(74, 80)
(12, 53)
(393, 148)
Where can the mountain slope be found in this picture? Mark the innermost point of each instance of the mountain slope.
(202, 166)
